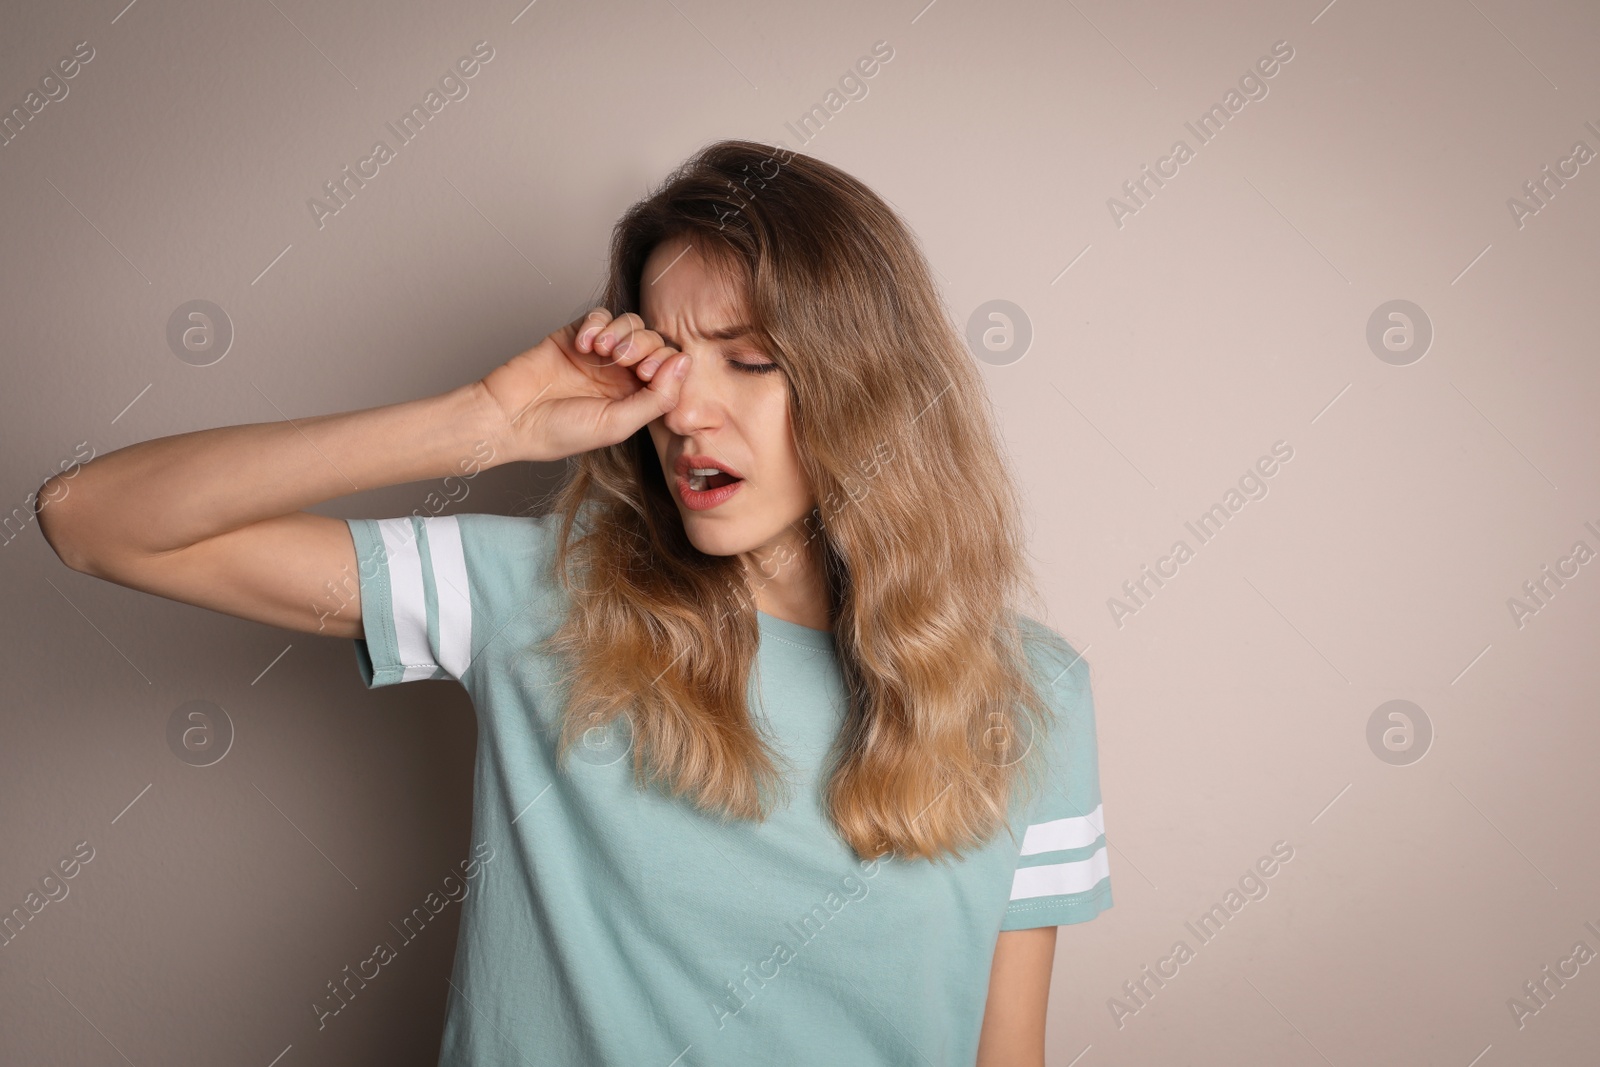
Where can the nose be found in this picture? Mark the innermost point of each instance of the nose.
(701, 406)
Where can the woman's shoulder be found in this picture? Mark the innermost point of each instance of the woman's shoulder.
(507, 565)
(502, 546)
(1052, 655)
(508, 531)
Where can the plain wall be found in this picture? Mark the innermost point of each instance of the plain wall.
(1172, 346)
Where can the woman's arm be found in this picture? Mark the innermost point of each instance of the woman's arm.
(1019, 995)
(215, 517)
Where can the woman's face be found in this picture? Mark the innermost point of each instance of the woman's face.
(733, 411)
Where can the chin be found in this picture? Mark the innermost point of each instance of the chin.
(716, 536)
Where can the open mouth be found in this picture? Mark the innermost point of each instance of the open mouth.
(702, 479)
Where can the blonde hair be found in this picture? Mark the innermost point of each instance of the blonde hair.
(917, 525)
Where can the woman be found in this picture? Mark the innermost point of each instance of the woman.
(770, 764)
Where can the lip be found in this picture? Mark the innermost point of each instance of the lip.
(683, 463)
(703, 500)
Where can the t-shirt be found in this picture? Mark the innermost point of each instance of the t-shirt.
(609, 925)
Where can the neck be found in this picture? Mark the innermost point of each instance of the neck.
(786, 581)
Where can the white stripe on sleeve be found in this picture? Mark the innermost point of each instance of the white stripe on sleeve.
(1060, 834)
(407, 598)
(1058, 879)
(455, 602)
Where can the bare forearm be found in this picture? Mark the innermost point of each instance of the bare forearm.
(173, 492)
(1019, 999)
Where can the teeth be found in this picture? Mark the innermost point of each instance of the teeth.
(698, 477)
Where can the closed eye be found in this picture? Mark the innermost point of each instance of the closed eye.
(754, 368)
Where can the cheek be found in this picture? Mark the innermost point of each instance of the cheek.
(772, 432)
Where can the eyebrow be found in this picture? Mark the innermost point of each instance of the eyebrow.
(727, 333)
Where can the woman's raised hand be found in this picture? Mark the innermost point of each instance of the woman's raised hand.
(592, 383)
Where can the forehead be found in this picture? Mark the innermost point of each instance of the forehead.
(681, 286)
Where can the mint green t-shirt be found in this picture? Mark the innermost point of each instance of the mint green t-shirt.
(612, 926)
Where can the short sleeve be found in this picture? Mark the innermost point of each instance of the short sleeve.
(1063, 875)
(416, 606)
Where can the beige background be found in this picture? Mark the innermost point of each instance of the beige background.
(1229, 313)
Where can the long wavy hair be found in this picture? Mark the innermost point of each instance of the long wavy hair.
(916, 525)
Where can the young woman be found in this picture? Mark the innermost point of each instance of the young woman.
(771, 766)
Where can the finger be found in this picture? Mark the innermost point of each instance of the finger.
(645, 405)
(641, 347)
(637, 346)
(590, 326)
(647, 368)
(619, 330)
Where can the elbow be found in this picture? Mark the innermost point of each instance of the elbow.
(60, 523)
